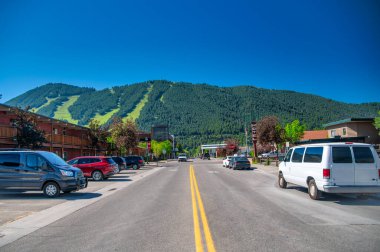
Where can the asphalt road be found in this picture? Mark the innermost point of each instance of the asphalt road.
(234, 210)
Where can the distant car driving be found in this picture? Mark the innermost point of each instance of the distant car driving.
(239, 163)
(226, 161)
(182, 157)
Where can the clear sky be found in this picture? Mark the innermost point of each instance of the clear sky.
(325, 47)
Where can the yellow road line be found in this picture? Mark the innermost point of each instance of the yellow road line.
(206, 228)
(197, 230)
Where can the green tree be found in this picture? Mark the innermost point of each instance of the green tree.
(167, 146)
(156, 148)
(124, 134)
(28, 133)
(97, 134)
(294, 131)
(377, 122)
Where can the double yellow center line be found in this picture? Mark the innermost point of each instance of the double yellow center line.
(196, 198)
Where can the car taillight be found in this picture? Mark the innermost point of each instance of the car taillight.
(326, 173)
(140, 161)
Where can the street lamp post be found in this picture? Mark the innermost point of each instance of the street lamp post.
(173, 147)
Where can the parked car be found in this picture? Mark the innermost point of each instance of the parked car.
(39, 170)
(120, 162)
(134, 162)
(272, 154)
(226, 161)
(95, 167)
(141, 160)
(239, 163)
(182, 157)
(332, 168)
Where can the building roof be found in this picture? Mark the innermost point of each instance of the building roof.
(347, 120)
(314, 134)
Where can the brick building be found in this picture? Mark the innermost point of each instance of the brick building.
(65, 139)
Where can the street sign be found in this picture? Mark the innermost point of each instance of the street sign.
(287, 144)
(164, 151)
(254, 133)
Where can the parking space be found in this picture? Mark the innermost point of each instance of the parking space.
(18, 204)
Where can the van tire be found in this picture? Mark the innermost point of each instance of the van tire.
(281, 181)
(97, 175)
(51, 190)
(314, 193)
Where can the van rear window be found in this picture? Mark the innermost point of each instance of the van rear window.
(10, 160)
(363, 155)
(313, 155)
(341, 155)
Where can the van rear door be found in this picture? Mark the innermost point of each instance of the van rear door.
(342, 169)
(365, 166)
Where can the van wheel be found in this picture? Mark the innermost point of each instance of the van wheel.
(97, 175)
(314, 193)
(51, 190)
(282, 182)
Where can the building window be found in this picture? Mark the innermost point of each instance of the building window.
(344, 131)
(333, 133)
(55, 131)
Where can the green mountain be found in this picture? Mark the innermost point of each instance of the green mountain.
(195, 113)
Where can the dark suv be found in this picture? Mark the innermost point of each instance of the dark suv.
(39, 170)
(120, 162)
(134, 162)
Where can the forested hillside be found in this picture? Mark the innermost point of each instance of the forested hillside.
(195, 113)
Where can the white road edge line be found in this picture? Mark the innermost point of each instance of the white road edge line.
(15, 230)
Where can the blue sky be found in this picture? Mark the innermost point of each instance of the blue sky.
(329, 48)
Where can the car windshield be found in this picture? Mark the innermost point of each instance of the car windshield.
(240, 159)
(54, 159)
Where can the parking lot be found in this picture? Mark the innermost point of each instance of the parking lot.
(15, 205)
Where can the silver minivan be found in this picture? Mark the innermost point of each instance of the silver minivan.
(332, 168)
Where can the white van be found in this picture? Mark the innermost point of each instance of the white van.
(332, 168)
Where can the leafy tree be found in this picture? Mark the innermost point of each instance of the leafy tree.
(269, 131)
(294, 131)
(167, 146)
(156, 148)
(124, 134)
(97, 134)
(232, 146)
(28, 134)
(377, 121)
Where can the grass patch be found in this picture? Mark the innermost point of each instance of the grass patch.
(137, 110)
(63, 113)
(49, 100)
(104, 118)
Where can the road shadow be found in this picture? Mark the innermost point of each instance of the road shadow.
(112, 179)
(119, 176)
(128, 172)
(36, 195)
(344, 199)
(247, 169)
